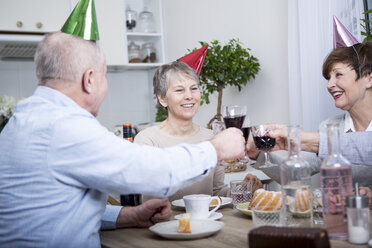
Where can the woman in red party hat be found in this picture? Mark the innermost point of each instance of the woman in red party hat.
(176, 87)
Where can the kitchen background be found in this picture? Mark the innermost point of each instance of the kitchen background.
(261, 25)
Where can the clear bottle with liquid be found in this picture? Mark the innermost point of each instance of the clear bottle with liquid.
(336, 184)
(295, 175)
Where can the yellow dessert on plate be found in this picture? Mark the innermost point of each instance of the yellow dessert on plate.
(184, 224)
(214, 202)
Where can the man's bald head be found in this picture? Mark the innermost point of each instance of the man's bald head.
(66, 57)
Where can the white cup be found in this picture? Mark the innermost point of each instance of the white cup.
(198, 206)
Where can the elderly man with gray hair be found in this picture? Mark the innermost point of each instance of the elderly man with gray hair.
(58, 164)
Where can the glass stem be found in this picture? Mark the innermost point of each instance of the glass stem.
(267, 158)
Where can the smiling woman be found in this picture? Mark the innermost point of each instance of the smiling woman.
(349, 74)
(176, 87)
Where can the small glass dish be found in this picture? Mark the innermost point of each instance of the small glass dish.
(265, 218)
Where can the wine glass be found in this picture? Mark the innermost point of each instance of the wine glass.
(234, 115)
(264, 143)
(246, 131)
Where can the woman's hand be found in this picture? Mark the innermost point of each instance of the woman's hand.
(279, 133)
(251, 149)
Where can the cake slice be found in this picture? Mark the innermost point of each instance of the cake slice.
(184, 224)
(266, 200)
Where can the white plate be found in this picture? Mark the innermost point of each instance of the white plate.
(180, 203)
(214, 216)
(199, 229)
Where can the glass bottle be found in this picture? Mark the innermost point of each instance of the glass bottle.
(134, 53)
(358, 217)
(131, 17)
(131, 199)
(336, 184)
(295, 175)
(146, 22)
(148, 53)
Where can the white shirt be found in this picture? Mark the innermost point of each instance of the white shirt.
(349, 124)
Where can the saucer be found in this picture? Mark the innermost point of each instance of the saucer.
(200, 229)
(214, 216)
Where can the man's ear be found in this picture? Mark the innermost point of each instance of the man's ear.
(87, 81)
(162, 101)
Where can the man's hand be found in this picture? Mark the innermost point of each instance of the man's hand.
(229, 144)
(146, 214)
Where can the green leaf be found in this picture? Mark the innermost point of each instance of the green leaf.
(226, 64)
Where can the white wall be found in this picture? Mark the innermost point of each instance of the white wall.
(128, 100)
(259, 25)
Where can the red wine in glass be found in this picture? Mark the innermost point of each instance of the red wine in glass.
(264, 143)
(246, 131)
(234, 121)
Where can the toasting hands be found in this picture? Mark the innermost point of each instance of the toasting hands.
(229, 144)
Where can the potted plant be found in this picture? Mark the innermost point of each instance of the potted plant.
(230, 64)
(366, 26)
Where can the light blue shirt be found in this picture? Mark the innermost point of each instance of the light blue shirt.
(58, 165)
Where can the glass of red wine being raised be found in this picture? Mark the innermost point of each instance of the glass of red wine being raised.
(234, 115)
(264, 143)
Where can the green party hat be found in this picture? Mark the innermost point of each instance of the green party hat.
(83, 21)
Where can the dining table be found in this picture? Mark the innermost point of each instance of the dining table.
(234, 233)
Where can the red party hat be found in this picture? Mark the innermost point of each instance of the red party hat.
(195, 59)
(341, 36)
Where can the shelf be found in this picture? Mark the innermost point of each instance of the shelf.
(139, 38)
(144, 34)
(133, 66)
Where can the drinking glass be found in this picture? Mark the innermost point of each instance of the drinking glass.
(234, 115)
(264, 143)
(265, 218)
(241, 192)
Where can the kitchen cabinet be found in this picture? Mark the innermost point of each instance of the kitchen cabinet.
(115, 37)
(42, 16)
(38, 16)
